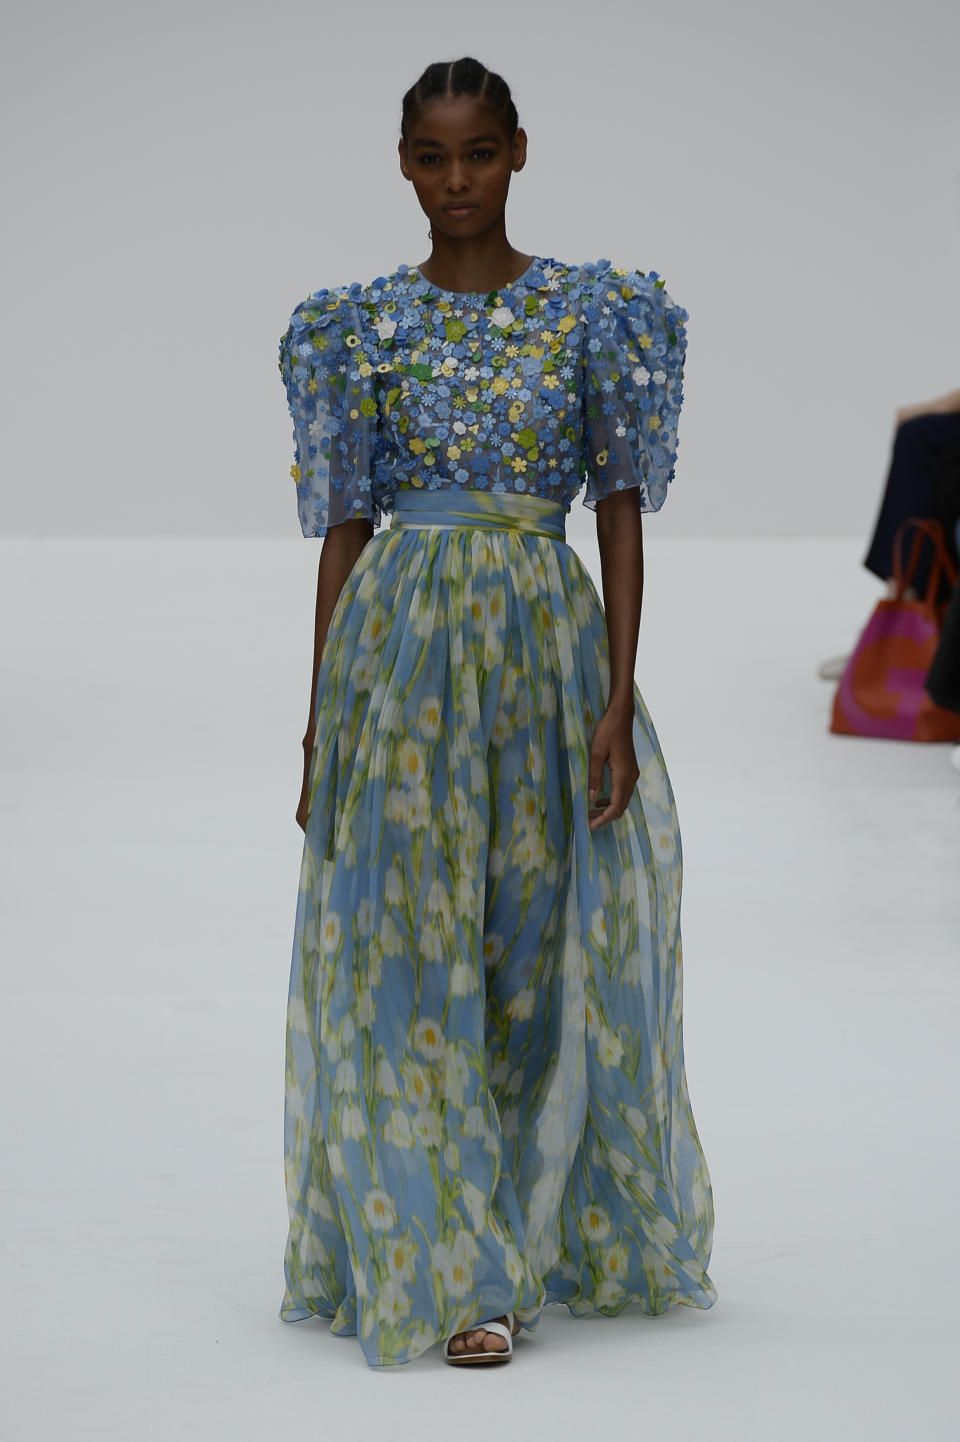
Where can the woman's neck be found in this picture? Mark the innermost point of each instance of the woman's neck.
(478, 263)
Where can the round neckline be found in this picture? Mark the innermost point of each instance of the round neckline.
(536, 262)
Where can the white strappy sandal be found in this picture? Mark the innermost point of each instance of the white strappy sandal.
(499, 1330)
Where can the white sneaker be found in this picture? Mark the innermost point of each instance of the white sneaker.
(833, 669)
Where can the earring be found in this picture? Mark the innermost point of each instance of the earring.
(430, 234)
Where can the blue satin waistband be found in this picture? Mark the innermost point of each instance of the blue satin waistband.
(482, 510)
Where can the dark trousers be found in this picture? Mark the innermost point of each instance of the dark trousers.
(923, 480)
(943, 681)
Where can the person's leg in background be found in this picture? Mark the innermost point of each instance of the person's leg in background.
(922, 481)
(943, 681)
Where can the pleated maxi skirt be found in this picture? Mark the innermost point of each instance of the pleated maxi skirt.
(486, 1101)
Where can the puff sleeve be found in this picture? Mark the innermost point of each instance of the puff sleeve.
(332, 401)
(634, 348)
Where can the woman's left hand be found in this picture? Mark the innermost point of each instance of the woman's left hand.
(612, 746)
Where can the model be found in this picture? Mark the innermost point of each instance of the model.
(486, 1103)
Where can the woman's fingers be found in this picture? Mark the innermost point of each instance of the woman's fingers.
(598, 756)
(622, 783)
(612, 746)
(597, 805)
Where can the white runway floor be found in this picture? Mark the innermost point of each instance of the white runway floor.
(154, 696)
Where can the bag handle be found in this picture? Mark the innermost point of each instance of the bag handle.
(942, 564)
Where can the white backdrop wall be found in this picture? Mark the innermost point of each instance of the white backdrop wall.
(178, 176)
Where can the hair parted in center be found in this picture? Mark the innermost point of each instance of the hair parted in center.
(466, 76)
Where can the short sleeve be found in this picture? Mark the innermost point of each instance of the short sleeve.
(634, 348)
(332, 401)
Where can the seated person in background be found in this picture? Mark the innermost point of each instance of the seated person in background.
(923, 480)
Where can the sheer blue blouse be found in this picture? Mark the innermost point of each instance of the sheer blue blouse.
(570, 376)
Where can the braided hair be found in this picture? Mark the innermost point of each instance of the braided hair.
(466, 76)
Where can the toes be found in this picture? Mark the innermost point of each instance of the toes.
(478, 1339)
(484, 1341)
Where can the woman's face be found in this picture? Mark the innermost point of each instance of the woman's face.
(459, 159)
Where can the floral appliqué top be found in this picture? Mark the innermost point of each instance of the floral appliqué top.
(569, 375)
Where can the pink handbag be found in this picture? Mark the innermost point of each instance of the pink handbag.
(881, 692)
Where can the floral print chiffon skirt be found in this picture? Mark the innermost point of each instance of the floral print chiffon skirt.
(486, 1104)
